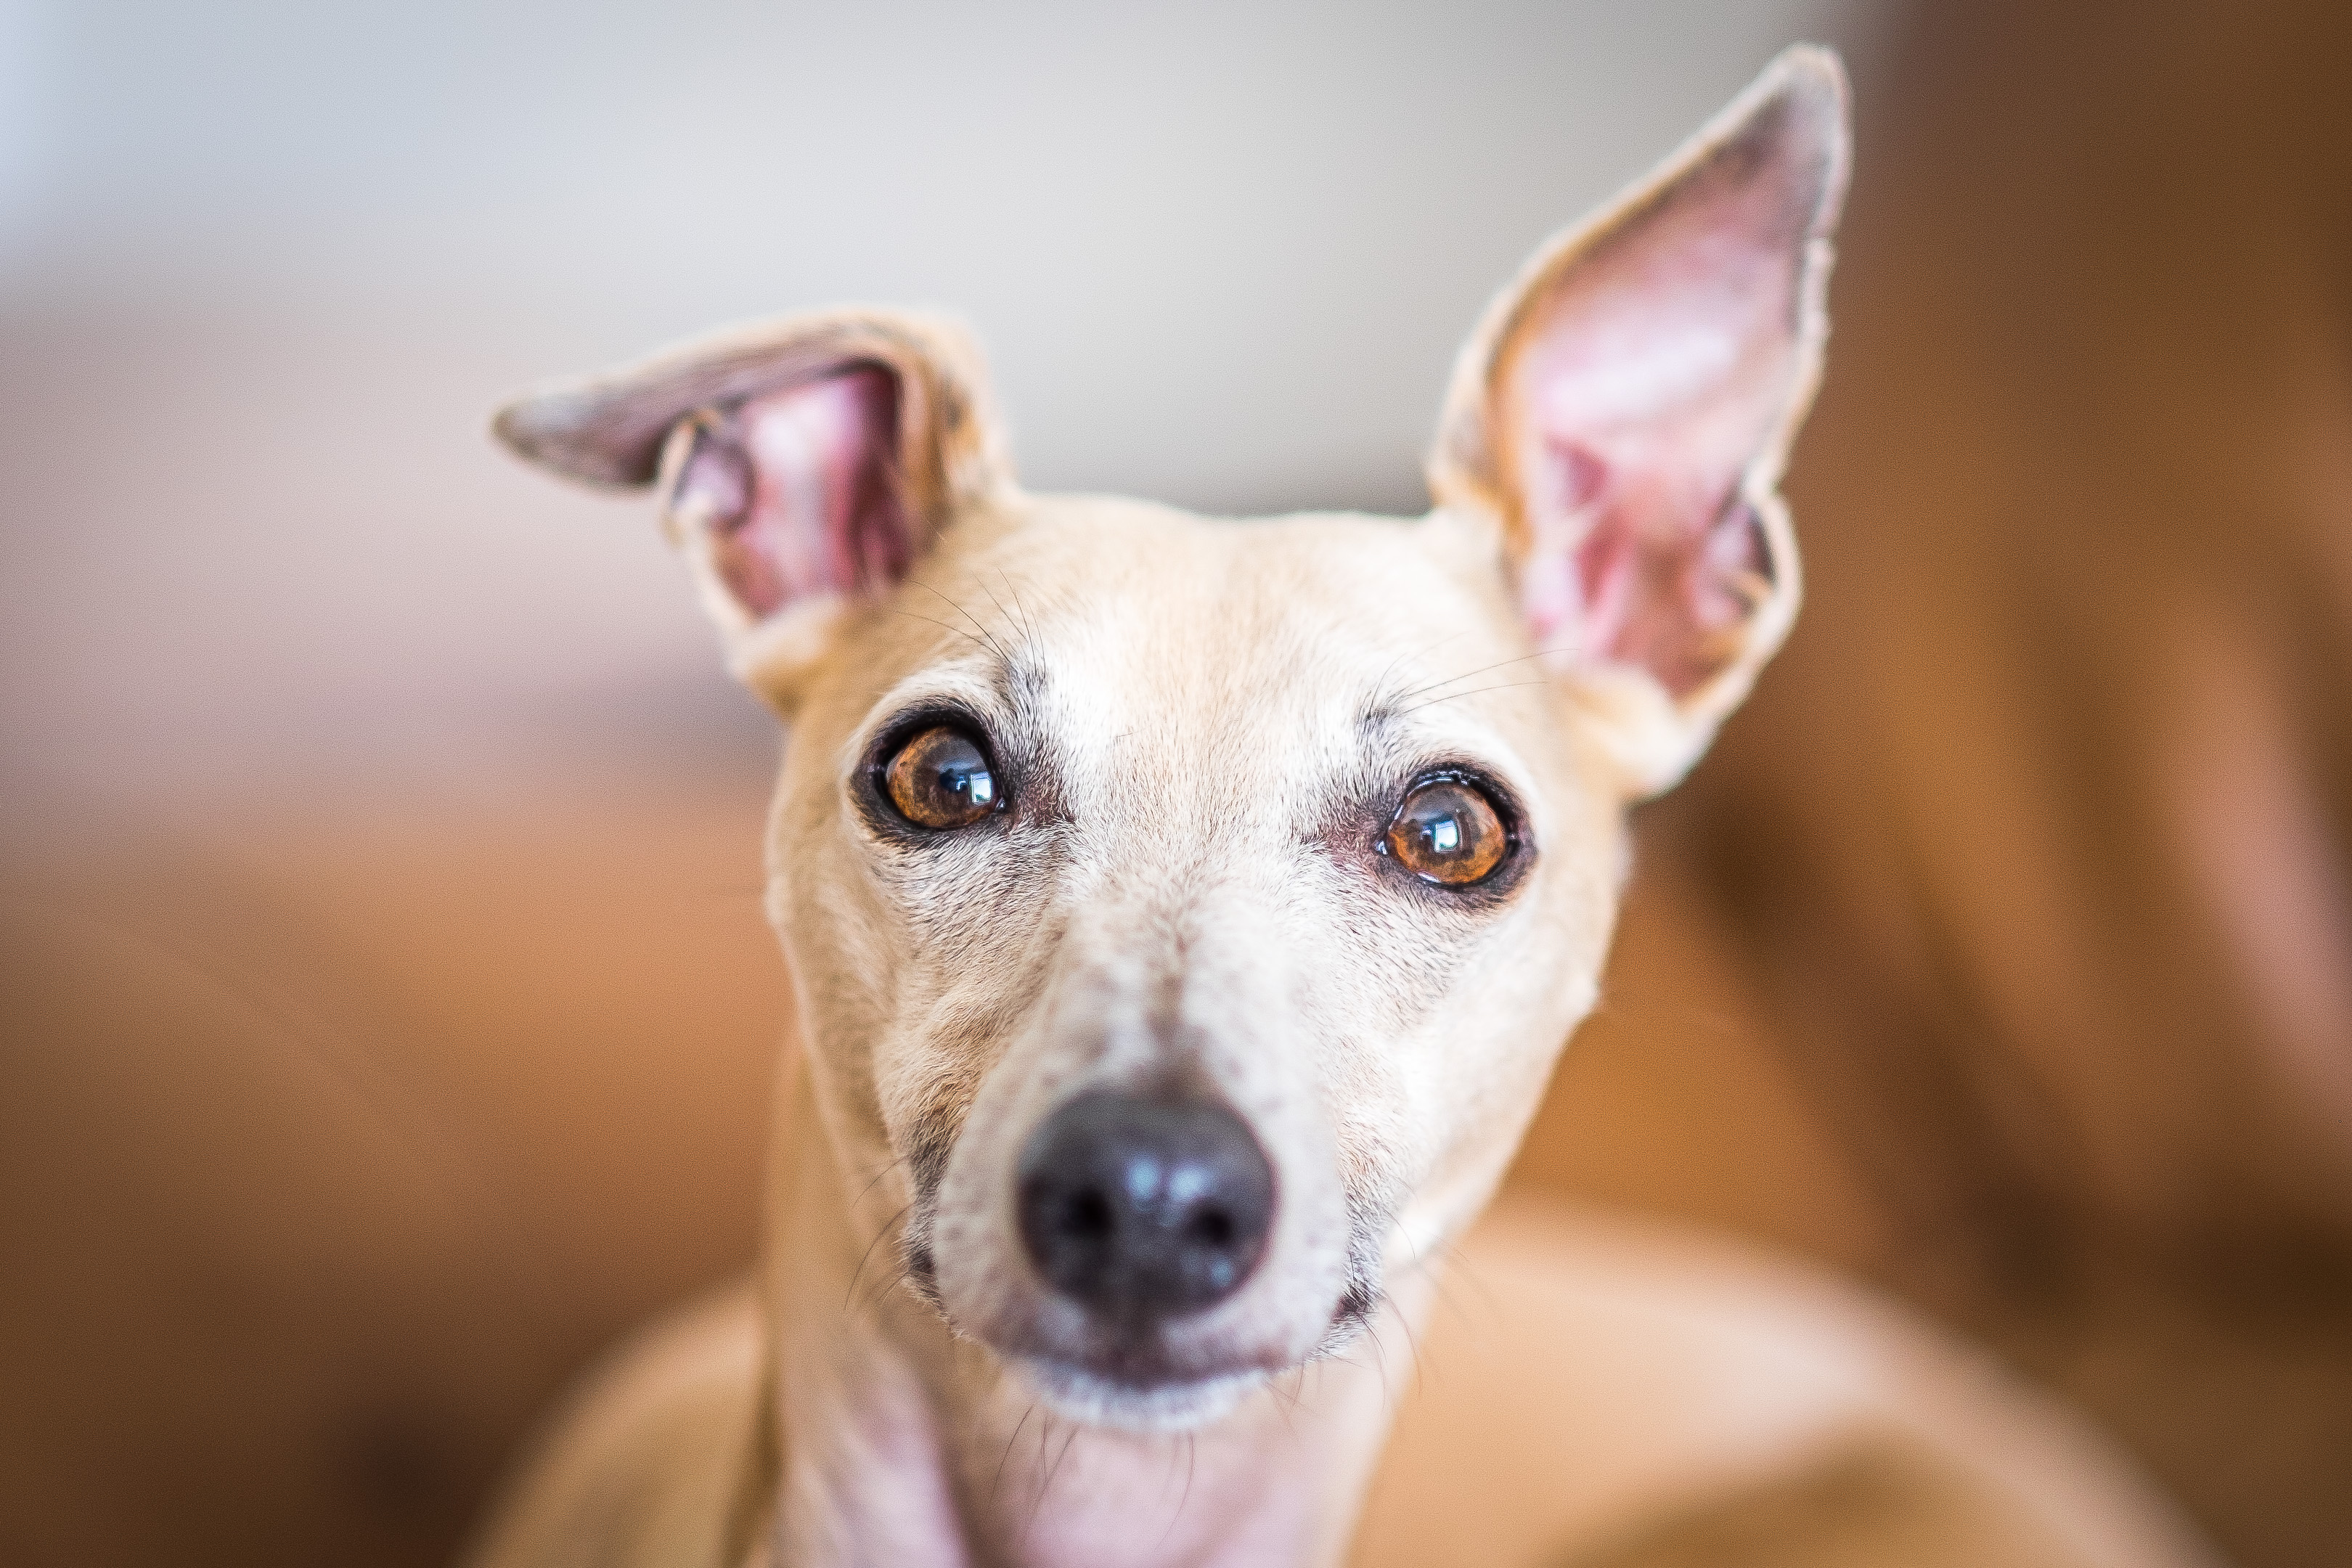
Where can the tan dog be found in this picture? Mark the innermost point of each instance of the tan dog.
(1186, 916)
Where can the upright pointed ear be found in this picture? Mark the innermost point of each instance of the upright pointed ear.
(801, 465)
(1625, 408)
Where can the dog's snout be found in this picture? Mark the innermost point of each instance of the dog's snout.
(1144, 1208)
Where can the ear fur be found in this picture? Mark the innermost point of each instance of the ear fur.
(1625, 408)
(801, 464)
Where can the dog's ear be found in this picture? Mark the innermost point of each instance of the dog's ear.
(801, 465)
(1625, 408)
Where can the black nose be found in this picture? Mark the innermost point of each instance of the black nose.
(1144, 1208)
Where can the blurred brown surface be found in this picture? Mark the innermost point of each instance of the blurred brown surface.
(331, 1146)
(2004, 951)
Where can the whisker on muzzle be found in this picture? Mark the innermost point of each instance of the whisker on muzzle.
(851, 1294)
(997, 1485)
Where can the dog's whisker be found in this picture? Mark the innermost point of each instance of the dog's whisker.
(1175, 1445)
(1045, 1477)
(1192, 1456)
(1467, 1273)
(881, 1292)
(1021, 630)
(958, 607)
(1380, 685)
(1482, 669)
(1474, 691)
(851, 1294)
(986, 635)
(955, 631)
(997, 1485)
(1037, 1491)
(1028, 626)
(1294, 1402)
(1437, 1270)
(1413, 1348)
(1379, 1361)
(866, 1190)
(1441, 1281)
(1060, 1455)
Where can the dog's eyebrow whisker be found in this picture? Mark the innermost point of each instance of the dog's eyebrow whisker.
(1482, 669)
(1017, 626)
(1382, 684)
(1498, 664)
(1389, 669)
(952, 631)
(985, 635)
(1474, 691)
(957, 605)
(1028, 627)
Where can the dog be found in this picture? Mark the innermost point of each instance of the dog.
(1185, 915)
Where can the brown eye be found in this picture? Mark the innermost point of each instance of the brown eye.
(939, 778)
(1448, 833)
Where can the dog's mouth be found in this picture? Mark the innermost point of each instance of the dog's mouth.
(1132, 1380)
(1135, 1382)
(1132, 1377)
(1079, 1392)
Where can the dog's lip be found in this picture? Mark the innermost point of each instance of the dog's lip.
(1086, 1393)
(1144, 1372)
(1146, 1366)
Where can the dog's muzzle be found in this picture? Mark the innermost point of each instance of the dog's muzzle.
(1143, 1209)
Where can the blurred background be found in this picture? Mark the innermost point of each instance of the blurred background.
(385, 1013)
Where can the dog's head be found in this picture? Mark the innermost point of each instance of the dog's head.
(1187, 912)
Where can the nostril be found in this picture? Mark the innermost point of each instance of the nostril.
(1142, 1208)
(1087, 1216)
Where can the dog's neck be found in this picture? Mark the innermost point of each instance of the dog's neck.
(895, 1442)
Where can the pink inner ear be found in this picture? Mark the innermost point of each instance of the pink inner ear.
(1640, 390)
(799, 491)
(1640, 584)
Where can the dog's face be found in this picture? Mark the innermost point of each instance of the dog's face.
(1244, 850)
(1187, 912)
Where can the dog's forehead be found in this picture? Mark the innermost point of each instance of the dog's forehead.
(1275, 645)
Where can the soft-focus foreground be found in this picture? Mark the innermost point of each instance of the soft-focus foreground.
(2002, 952)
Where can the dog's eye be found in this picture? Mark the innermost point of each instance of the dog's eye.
(1448, 833)
(941, 778)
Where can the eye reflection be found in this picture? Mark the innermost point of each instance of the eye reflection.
(940, 779)
(1448, 833)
